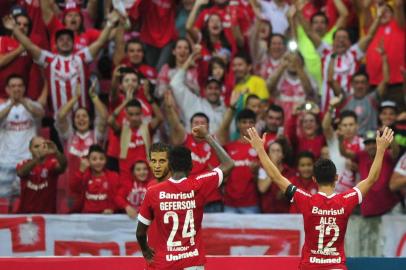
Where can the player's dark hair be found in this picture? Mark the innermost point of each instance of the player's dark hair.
(180, 159)
(200, 114)
(14, 76)
(159, 147)
(133, 103)
(246, 114)
(96, 148)
(346, 113)
(325, 172)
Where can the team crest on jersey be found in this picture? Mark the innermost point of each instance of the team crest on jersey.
(44, 173)
(206, 147)
(105, 185)
(252, 152)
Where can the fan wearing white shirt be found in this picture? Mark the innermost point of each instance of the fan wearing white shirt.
(19, 122)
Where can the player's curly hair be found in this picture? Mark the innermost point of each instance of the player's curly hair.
(180, 159)
(325, 172)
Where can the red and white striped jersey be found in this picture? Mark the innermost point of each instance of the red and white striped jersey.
(63, 73)
(346, 65)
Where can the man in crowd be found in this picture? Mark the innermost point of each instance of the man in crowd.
(380, 200)
(66, 68)
(346, 58)
(39, 177)
(19, 122)
(72, 19)
(189, 103)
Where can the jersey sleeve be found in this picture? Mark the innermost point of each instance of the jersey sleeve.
(85, 55)
(301, 200)
(207, 182)
(356, 50)
(351, 198)
(145, 214)
(45, 58)
(323, 49)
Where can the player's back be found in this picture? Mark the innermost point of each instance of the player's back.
(176, 208)
(325, 223)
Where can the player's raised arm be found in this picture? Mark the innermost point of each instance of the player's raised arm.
(258, 144)
(382, 142)
(226, 161)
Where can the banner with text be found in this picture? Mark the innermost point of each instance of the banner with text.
(101, 235)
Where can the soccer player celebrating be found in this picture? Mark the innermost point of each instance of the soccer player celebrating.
(325, 213)
(175, 207)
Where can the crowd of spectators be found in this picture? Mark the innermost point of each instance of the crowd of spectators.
(86, 87)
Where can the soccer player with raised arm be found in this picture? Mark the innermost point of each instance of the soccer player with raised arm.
(175, 208)
(325, 213)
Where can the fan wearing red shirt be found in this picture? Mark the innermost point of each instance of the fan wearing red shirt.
(309, 137)
(14, 58)
(326, 213)
(176, 206)
(97, 185)
(273, 124)
(304, 178)
(241, 194)
(126, 82)
(132, 190)
(203, 156)
(380, 199)
(73, 20)
(39, 177)
(272, 199)
(350, 141)
(131, 54)
(134, 135)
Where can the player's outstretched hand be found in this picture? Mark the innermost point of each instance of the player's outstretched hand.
(383, 141)
(200, 131)
(148, 254)
(254, 139)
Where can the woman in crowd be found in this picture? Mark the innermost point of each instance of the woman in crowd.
(78, 131)
(272, 199)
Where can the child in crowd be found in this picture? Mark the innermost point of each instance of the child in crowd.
(96, 184)
(132, 190)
